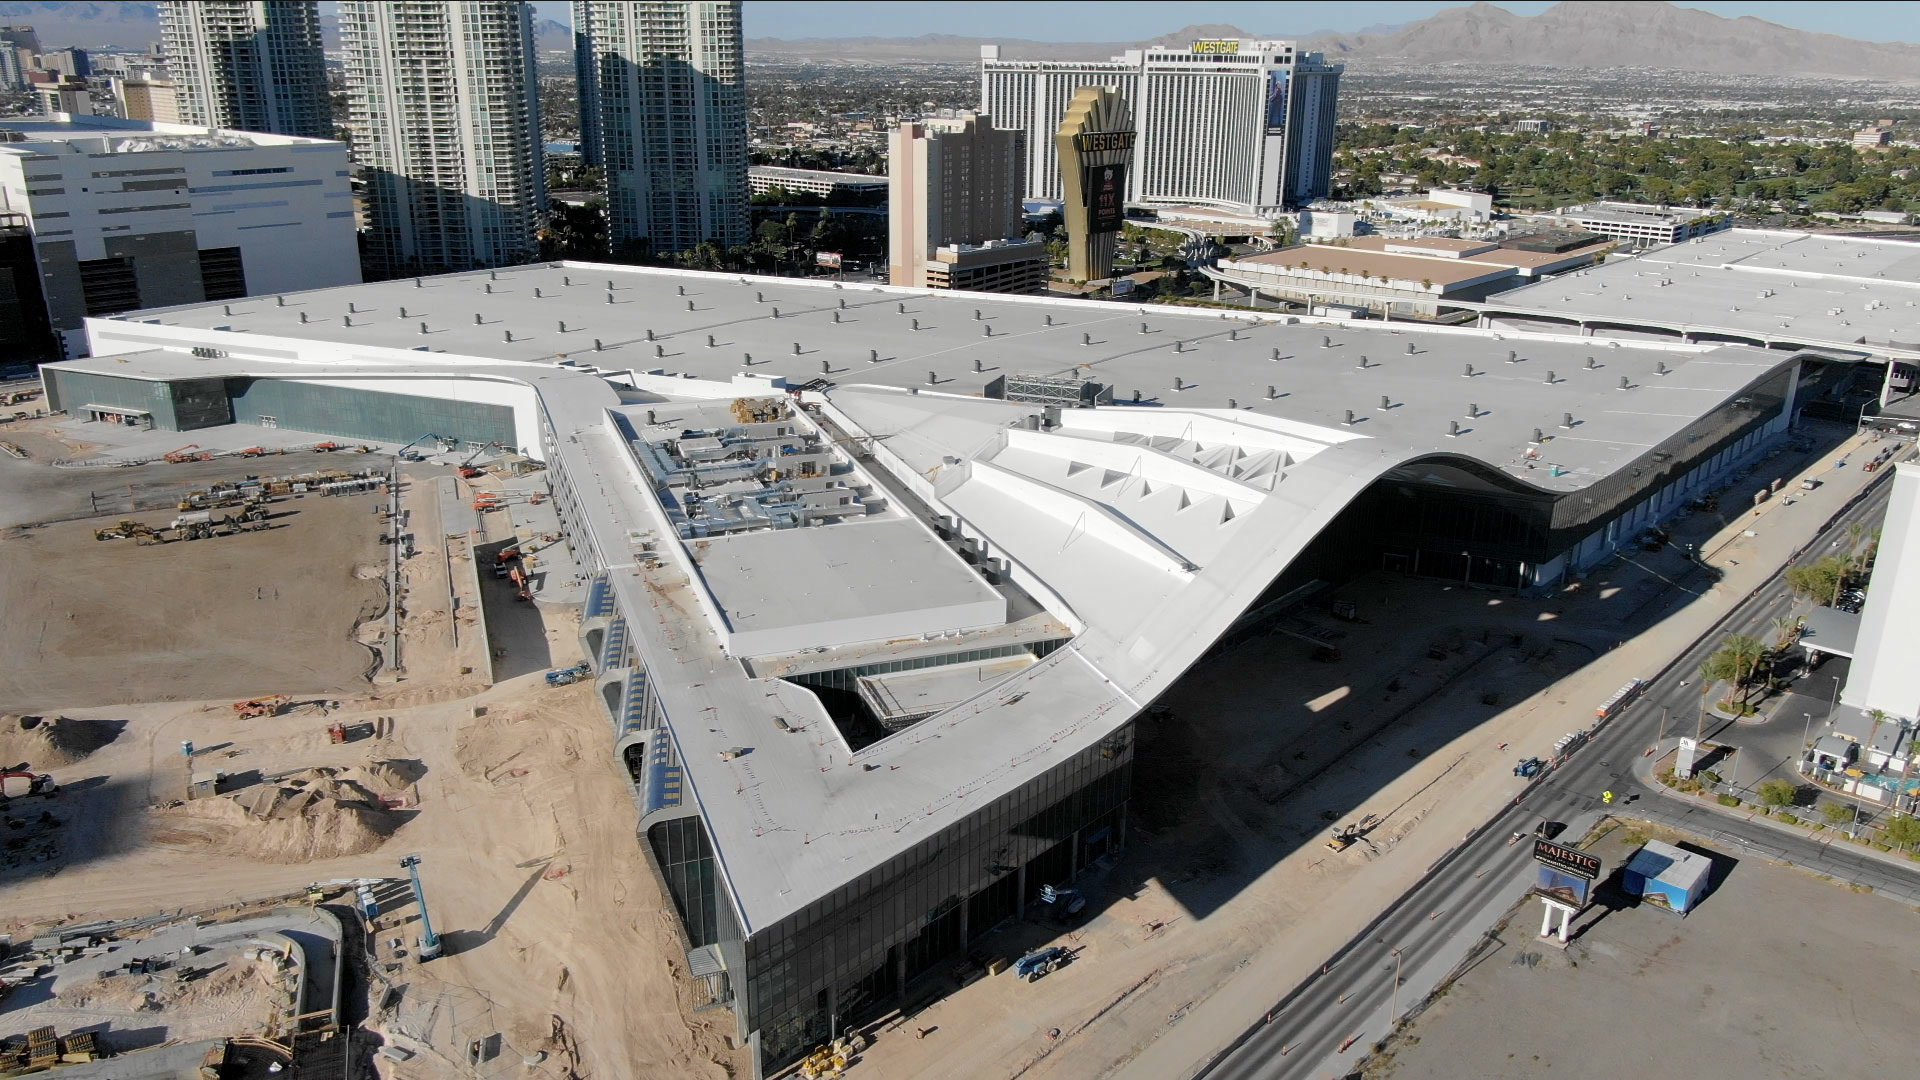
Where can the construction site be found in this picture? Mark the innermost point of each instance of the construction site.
(217, 738)
(917, 663)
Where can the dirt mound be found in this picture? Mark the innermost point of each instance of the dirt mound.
(319, 813)
(48, 742)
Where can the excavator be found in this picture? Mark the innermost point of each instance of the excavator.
(1345, 836)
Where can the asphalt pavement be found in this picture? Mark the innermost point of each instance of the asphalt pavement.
(1327, 1026)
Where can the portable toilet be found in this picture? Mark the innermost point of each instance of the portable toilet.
(1665, 876)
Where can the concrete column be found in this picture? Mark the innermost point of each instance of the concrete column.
(964, 939)
(900, 967)
(1120, 828)
(1020, 894)
(1073, 855)
(1216, 290)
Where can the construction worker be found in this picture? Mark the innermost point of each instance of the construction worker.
(1607, 797)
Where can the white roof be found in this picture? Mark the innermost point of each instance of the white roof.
(1835, 291)
(1143, 529)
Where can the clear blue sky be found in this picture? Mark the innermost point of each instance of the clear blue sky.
(1077, 20)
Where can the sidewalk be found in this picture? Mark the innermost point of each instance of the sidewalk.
(1643, 771)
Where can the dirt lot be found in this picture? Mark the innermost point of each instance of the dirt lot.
(95, 623)
(509, 794)
(1776, 973)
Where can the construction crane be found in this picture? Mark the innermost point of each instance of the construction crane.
(185, 453)
(429, 946)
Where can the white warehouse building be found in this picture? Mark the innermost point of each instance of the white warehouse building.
(1244, 126)
(131, 213)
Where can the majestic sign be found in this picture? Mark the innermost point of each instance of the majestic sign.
(1578, 863)
(1096, 142)
(1556, 884)
(1106, 192)
(1217, 48)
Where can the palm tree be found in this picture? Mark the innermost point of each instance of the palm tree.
(1735, 662)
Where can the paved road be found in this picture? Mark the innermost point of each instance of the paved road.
(1326, 1027)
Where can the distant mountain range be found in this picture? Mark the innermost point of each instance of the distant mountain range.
(1633, 34)
(1593, 34)
(1590, 34)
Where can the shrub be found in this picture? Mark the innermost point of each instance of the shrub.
(1729, 800)
(1778, 792)
(1788, 819)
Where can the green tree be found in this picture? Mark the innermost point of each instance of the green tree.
(1904, 831)
(1820, 580)
(1837, 813)
(1777, 793)
(1735, 663)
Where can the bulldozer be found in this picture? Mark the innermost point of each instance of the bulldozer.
(262, 706)
(127, 529)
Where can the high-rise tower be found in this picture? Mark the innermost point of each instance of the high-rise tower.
(1240, 126)
(446, 120)
(664, 111)
(249, 65)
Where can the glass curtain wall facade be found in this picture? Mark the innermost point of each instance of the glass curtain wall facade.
(849, 954)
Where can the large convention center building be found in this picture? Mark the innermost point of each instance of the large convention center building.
(879, 578)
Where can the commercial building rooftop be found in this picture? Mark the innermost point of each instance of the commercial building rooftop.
(1759, 285)
(110, 134)
(1143, 528)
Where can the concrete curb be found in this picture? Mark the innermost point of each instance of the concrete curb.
(1643, 772)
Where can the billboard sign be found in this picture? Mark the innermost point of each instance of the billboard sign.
(1100, 142)
(829, 259)
(1683, 759)
(1106, 190)
(1561, 887)
(1277, 101)
(1217, 48)
(1577, 863)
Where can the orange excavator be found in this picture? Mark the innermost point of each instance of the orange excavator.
(263, 706)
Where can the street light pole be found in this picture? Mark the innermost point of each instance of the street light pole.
(1393, 1015)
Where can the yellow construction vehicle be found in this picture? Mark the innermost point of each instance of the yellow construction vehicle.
(1345, 836)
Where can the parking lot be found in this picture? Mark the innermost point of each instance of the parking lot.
(1776, 973)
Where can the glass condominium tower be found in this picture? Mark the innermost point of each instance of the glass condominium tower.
(664, 113)
(249, 65)
(446, 121)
